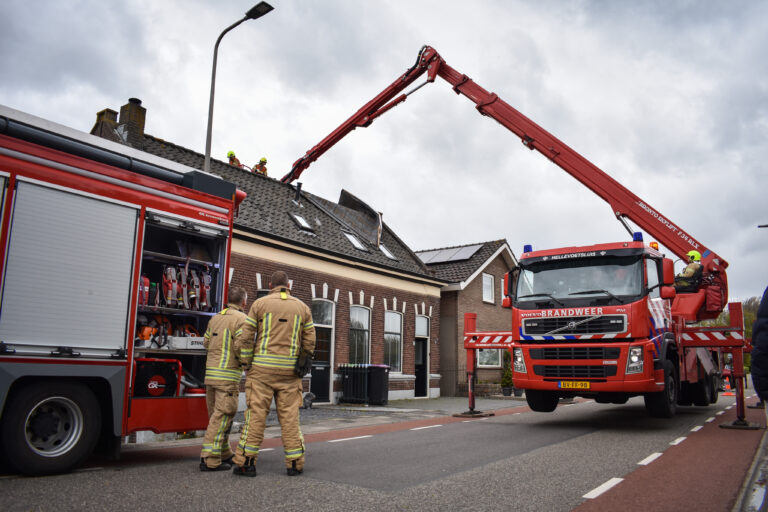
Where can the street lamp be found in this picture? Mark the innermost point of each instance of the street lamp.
(257, 11)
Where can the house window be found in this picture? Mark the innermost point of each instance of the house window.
(489, 358)
(386, 252)
(322, 317)
(359, 334)
(488, 288)
(393, 340)
(354, 241)
(422, 326)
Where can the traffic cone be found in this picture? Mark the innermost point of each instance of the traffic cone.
(728, 390)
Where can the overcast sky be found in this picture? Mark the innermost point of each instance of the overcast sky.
(668, 97)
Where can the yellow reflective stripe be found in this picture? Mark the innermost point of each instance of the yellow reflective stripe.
(244, 432)
(295, 334)
(223, 311)
(267, 326)
(274, 361)
(251, 322)
(225, 349)
(309, 325)
(223, 374)
(207, 334)
(218, 441)
(294, 454)
(283, 295)
(239, 332)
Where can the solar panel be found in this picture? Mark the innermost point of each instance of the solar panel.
(448, 255)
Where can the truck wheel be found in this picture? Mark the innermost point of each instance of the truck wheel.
(714, 389)
(664, 403)
(50, 427)
(540, 400)
(702, 391)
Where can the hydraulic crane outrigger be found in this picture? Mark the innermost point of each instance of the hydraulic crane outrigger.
(707, 303)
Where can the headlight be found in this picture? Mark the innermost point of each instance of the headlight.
(635, 360)
(518, 360)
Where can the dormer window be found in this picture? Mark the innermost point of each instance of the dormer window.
(302, 223)
(386, 252)
(354, 241)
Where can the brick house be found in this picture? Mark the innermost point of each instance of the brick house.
(474, 274)
(372, 298)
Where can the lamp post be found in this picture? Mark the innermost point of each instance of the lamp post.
(257, 11)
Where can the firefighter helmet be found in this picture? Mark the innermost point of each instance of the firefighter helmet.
(694, 256)
(230, 154)
(263, 160)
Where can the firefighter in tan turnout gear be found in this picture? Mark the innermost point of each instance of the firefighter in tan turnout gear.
(284, 331)
(223, 341)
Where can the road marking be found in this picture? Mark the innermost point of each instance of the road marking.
(729, 407)
(430, 426)
(652, 457)
(696, 428)
(677, 441)
(348, 439)
(597, 491)
(469, 421)
(718, 413)
(710, 419)
(265, 450)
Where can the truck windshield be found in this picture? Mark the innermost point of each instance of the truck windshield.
(600, 280)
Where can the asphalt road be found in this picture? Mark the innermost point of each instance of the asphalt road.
(517, 460)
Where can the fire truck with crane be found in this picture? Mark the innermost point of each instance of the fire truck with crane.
(601, 321)
(113, 260)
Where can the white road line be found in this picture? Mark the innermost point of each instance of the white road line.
(348, 439)
(265, 450)
(652, 457)
(471, 421)
(729, 407)
(718, 413)
(430, 426)
(597, 491)
(710, 419)
(677, 441)
(696, 428)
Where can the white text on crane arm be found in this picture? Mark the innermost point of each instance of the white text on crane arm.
(677, 231)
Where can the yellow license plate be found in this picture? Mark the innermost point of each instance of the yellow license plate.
(574, 384)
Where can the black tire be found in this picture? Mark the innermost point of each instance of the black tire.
(541, 401)
(664, 403)
(684, 394)
(50, 427)
(702, 391)
(715, 389)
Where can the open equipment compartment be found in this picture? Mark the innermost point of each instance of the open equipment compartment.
(180, 288)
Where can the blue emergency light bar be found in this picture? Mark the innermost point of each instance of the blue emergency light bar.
(527, 248)
(637, 236)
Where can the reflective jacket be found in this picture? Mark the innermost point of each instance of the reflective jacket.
(283, 327)
(224, 342)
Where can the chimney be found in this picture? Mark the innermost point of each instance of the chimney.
(106, 122)
(131, 124)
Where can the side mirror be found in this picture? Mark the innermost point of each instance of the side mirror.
(510, 282)
(506, 302)
(668, 292)
(668, 267)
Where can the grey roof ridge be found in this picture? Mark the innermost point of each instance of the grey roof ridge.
(462, 245)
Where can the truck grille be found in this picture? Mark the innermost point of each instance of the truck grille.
(575, 353)
(566, 325)
(574, 372)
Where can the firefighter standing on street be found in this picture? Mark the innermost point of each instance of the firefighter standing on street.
(223, 341)
(284, 332)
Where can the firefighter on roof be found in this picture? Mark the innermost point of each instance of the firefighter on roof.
(284, 331)
(233, 160)
(223, 341)
(261, 167)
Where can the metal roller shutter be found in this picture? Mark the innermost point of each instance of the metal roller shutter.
(68, 273)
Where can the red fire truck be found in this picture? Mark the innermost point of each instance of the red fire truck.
(601, 321)
(112, 263)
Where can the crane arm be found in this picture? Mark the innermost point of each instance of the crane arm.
(624, 203)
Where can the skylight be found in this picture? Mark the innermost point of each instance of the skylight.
(354, 241)
(302, 222)
(386, 252)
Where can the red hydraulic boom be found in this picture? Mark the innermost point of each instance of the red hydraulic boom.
(624, 203)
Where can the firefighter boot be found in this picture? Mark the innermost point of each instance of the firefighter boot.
(292, 471)
(221, 467)
(247, 469)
